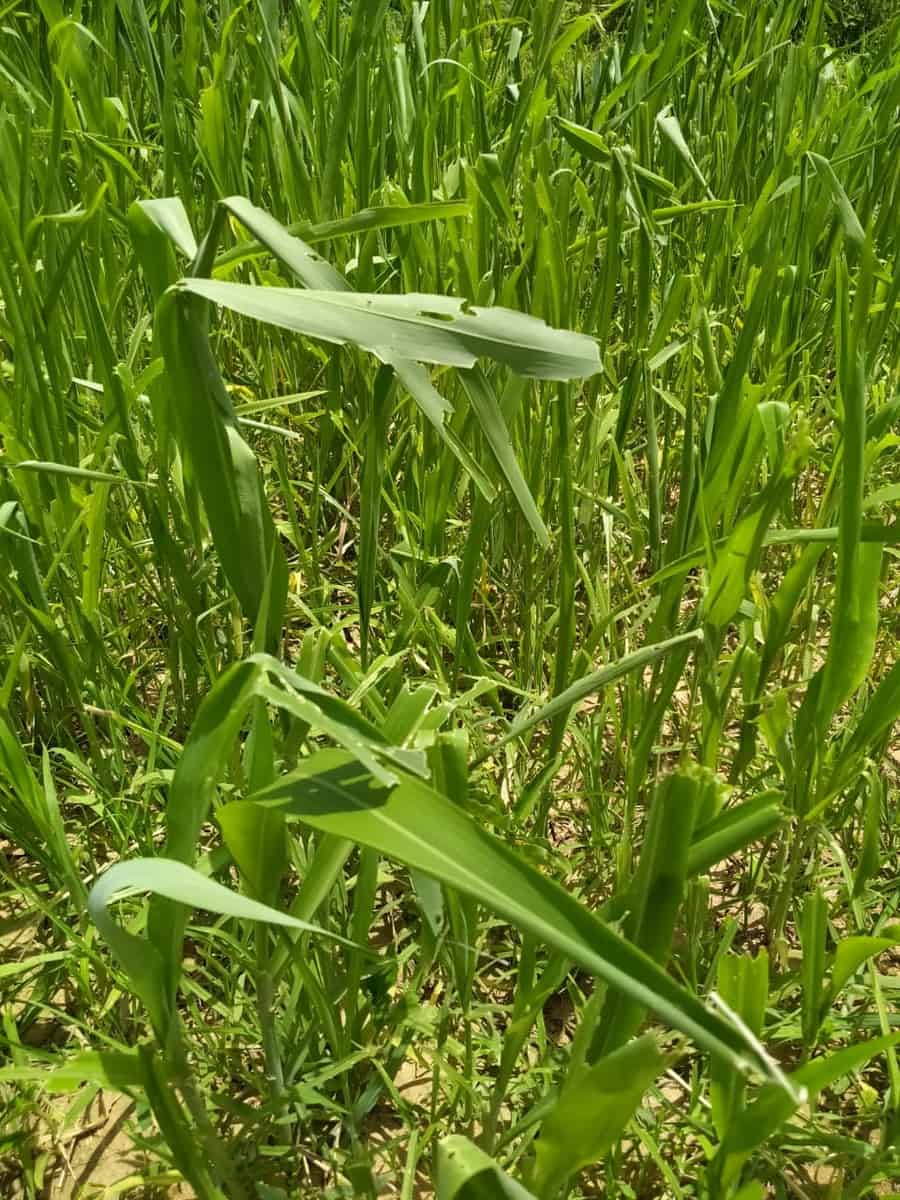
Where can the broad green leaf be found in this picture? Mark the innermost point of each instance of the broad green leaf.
(729, 578)
(880, 714)
(169, 215)
(435, 329)
(489, 180)
(855, 621)
(850, 955)
(222, 462)
(465, 1172)
(190, 1154)
(593, 147)
(256, 839)
(40, 809)
(854, 633)
(815, 540)
(743, 984)
(593, 1109)
(422, 829)
(384, 216)
(213, 734)
(116, 1070)
(209, 746)
(753, 1190)
(316, 273)
(342, 721)
(813, 929)
(734, 566)
(21, 966)
(869, 860)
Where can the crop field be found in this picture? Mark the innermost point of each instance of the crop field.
(449, 599)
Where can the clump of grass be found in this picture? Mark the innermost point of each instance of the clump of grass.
(449, 593)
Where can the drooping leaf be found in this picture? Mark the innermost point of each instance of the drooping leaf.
(317, 273)
(180, 883)
(592, 683)
(416, 825)
(169, 215)
(382, 216)
(426, 328)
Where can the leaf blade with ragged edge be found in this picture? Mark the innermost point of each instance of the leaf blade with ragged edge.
(465, 1172)
(592, 1111)
(654, 896)
(422, 829)
(427, 328)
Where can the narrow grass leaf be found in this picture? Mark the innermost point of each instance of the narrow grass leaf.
(487, 410)
(592, 683)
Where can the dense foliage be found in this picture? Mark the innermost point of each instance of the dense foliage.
(448, 597)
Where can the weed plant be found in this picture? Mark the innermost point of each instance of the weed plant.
(448, 596)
